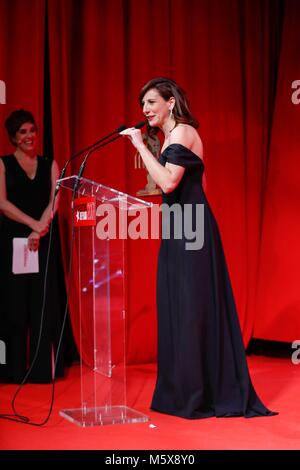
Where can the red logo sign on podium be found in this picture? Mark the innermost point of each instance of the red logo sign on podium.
(85, 211)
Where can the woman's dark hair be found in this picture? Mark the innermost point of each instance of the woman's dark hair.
(15, 120)
(167, 89)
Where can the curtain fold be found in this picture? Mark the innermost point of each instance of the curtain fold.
(22, 36)
(86, 69)
(278, 296)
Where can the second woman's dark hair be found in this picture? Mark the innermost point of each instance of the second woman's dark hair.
(15, 120)
(168, 88)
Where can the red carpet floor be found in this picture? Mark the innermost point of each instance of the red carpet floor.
(276, 380)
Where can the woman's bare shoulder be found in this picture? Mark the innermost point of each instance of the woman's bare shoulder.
(184, 131)
(188, 136)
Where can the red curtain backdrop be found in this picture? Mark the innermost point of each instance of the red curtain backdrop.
(22, 45)
(278, 304)
(227, 55)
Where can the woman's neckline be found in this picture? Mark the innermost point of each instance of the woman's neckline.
(186, 148)
(20, 166)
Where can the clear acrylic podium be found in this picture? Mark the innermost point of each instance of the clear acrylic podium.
(101, 324)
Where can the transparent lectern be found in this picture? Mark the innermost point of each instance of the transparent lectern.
(99, 257)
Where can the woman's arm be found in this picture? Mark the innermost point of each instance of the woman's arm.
(12, 212)
(47, 214)
(34, 237)
(167, 177)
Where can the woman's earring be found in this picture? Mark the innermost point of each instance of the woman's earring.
(171, 113)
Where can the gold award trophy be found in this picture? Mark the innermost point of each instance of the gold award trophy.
(153, 144)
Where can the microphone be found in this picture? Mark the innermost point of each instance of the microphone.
(86, 149)
(139, 125)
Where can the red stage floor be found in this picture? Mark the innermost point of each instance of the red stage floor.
(276, 380)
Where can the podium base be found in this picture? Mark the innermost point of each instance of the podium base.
(101, 416)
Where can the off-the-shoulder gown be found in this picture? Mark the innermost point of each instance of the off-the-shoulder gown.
(202, 367)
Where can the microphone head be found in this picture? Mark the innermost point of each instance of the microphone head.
(121, 128)
(139, 125)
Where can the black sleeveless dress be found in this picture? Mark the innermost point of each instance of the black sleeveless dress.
(202, 368)
(21, 294)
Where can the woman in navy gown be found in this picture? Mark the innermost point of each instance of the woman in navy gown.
(202, 367)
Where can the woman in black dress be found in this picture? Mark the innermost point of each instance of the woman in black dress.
(202, 368)
(27, 183)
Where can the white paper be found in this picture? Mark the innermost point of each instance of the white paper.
(24, 260)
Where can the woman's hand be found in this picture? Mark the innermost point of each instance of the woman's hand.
(135, 136)
(39, 226)
(33, 241)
